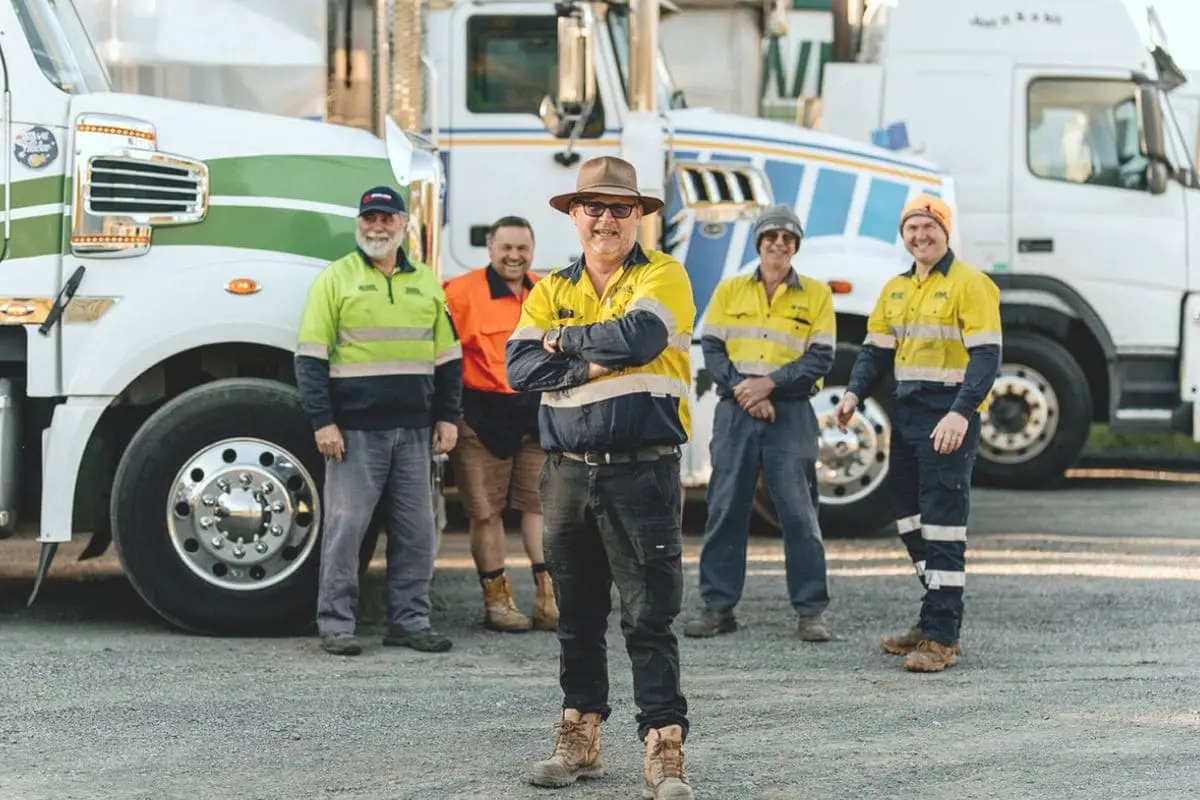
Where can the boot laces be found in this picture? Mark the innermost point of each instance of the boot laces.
(668, 755)
(572, 739)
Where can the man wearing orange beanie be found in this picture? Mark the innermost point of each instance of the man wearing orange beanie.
(936, 327)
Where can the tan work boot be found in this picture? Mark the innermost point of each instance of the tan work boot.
(662, 767)
(545, 607)
(930, 656)
(576, 752)
(500, 609)
(906, 642)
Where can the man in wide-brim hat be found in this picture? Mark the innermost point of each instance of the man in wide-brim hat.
(607, 341)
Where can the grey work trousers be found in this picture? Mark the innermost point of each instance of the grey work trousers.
(389, 469)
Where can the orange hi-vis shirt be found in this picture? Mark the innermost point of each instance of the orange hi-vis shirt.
(485, 312)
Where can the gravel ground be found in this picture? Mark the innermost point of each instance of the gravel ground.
(1080, 678)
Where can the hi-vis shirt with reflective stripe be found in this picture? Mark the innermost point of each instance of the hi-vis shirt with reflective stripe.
(378, 352)
(641, 327)
(942, 336)
(790, 337)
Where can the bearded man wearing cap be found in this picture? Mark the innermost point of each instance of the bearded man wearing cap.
(379, 368)
(769, 339)
(606, 341)
(936, 327)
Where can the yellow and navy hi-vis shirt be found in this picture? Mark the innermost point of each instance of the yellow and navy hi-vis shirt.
(377, 352)
(942, 337)
(641, 327)
(790, 337)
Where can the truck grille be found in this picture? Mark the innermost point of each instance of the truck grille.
(138, 188)
(718, 184)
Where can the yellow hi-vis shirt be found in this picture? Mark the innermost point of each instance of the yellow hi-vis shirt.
(641, 326)
(746, 334)
(932, 330)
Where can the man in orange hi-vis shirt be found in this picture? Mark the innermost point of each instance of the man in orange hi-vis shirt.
(498, 458)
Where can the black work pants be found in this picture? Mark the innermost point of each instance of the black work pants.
(622, 524)
(932, 499)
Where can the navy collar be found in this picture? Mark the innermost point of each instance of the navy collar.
(792, 279)
(636, 258)
(942, 266)
(402, 264)
(498, 287)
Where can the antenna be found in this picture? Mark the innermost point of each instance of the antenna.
(1158, 37)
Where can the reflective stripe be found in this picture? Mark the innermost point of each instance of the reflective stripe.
(384, 334)
(381, 368)
(313, 351)
(657, 309)
(909, 524)
(979, 339)
(766, 334)
(926, 332)
(681, 342)
(937, 578)
(755, 368)
(619, 386)
(920, 568)
(884, 340)
(717, 332)
(944, 533)
(824, 338)
(527, 334)
(449, 354)
(940, 374)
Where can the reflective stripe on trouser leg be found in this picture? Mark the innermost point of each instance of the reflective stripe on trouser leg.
(904, 480)
(945, 508)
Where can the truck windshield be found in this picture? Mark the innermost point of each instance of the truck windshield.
(669, 95)
(61, 45)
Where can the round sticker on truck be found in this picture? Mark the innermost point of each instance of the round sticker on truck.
(36, 148)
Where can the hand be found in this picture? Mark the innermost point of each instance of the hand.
(551, 348)
(752, 391)
(596, 371)
(949, 433)
(445, 436)
(763, 409)
(845, 410)
(330, 443)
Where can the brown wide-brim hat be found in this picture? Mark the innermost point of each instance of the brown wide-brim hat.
(606, 175)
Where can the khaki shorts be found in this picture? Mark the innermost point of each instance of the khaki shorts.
(487, 484)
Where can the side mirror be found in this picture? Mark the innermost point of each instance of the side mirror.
(576, 76)
(1152, 140)
(1157, 177)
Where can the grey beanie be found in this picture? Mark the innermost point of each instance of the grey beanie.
(777, 218)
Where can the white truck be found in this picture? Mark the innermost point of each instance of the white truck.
(507, 145)
(155, 259)
(1072, 147)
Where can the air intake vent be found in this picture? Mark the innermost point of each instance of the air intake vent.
(728, 191)
(146, 191)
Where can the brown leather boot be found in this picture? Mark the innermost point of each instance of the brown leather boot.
(545, 606)
(576, 752)
(500, 610)
(662, 766)
(930, 656)
(906, 642)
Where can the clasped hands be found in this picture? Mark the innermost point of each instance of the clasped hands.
(754, 395)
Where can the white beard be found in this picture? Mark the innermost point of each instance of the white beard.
(377, 246)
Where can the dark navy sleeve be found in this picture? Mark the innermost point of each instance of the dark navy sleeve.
(633, 340)
(716, 361)
(870, 368)
(530, 368)
(981, 374)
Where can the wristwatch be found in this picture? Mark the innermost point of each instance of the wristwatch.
(553, 336)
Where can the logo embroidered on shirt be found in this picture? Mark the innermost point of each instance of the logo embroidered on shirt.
(368, 287)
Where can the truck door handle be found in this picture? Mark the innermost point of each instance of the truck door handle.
(1035, 245)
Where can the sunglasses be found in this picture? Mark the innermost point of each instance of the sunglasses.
(618, 210)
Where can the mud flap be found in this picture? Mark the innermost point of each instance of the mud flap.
(47, 556)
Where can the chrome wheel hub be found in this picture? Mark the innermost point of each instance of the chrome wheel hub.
(853, 464)
(1021, 419)
(243, 514)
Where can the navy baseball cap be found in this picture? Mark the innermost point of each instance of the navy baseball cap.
(381, 198)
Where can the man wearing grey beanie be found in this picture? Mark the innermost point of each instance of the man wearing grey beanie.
(768, 341)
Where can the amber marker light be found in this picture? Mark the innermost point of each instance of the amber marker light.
(841, 287)
(242, 286)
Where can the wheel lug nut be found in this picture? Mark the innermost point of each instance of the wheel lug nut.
(277, 530)
(244, 478)
(268, 487)
(218, 542)
(223, 485)
(261, 547)
(209, 500)
(206, 522)
(278, 507)
(239, 551)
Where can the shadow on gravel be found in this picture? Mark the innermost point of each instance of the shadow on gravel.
(103, 600)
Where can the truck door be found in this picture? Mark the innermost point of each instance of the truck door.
(500, 159)
(1082, 213)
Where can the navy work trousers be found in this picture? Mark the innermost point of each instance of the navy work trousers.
(785, 451)
(622, 524)
(932, 499)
